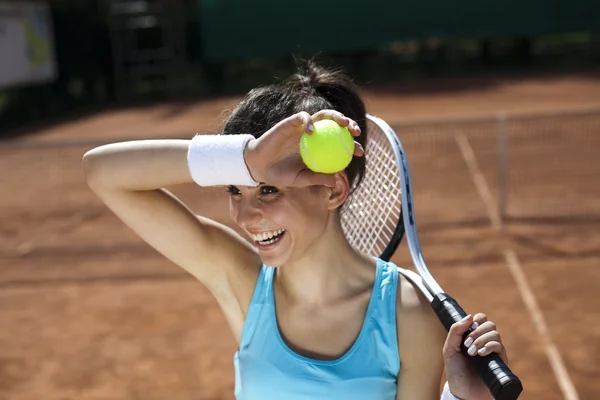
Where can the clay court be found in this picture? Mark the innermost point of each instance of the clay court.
(89, 312)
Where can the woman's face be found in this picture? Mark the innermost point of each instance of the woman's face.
(282, 222)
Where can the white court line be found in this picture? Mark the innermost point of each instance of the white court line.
(478, 179)
(516, 270)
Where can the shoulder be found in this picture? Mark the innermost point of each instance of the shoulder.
(420, 334)
(421, 338)
(410, 302)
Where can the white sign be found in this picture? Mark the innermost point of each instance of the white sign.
(26, 44)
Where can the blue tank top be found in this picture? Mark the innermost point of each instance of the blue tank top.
(266, 368)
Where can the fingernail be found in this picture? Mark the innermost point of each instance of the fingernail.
(472, 350)
(360, 147)
(474, 325)
(465, 318)
(310, 127)
(482, 351)
(468, 342)
(357, 127)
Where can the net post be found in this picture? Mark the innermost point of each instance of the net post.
(502, 132)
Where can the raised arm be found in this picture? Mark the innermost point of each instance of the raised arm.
(130, 178)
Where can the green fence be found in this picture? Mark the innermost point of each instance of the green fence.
(238, 29)
(233, 45)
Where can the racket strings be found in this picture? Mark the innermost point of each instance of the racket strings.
(371, 214)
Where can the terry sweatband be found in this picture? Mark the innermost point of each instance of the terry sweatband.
(446, 394)
(218, 160)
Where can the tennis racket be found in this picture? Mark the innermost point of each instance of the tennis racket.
(377, 216)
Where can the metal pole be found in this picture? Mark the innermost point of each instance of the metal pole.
(502, 165)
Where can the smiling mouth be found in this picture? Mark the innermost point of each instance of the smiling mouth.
(265, 240)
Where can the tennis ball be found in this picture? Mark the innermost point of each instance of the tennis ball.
(328, 149)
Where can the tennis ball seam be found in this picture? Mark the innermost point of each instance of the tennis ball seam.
(307, 154)
(342, 141)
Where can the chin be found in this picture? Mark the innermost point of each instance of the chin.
(273, 261)
(283, 253)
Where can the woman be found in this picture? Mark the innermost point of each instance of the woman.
(314, 319)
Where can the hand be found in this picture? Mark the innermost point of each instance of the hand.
(275, 157)
(463, 381)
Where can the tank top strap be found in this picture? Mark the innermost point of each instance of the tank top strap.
(384, 318)
(259, 305)
(387, 289)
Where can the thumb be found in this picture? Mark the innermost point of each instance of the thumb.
(455, 336)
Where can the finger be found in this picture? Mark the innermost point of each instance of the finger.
(331, 114)
(494, 347)
(337, 116)
(307, 177)
(479, 319)
(481, 341)
(358, 149)
(455, 335)
(340, 118)
(487, 326)
(493, 336)
(301, 119)
(354, 129)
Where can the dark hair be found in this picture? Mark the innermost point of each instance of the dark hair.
(312, 90)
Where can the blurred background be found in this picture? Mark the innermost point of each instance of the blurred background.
(497, 105)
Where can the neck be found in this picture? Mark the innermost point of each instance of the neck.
(330, 270)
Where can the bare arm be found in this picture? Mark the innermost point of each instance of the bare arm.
(420, 340)
(138, 165)
(130, 178)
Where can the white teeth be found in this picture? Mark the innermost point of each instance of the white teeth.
(267, 236)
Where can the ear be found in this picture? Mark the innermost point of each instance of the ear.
(338, 194)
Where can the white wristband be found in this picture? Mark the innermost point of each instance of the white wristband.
(215, 160)
(447, 395)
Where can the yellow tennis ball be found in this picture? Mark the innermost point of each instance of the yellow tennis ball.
(328, 149)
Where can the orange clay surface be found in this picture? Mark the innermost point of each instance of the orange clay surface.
(88, 311)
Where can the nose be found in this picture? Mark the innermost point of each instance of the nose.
(246, 213)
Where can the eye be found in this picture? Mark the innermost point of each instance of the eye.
(265, 190)
(233, 190)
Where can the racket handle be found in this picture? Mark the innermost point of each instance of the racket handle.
(502, 383)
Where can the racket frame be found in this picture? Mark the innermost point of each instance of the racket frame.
(407, 217)
(498, 377)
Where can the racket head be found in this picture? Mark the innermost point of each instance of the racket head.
(376, 207)
(372, 215)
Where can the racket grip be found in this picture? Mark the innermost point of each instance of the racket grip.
(502, 383)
